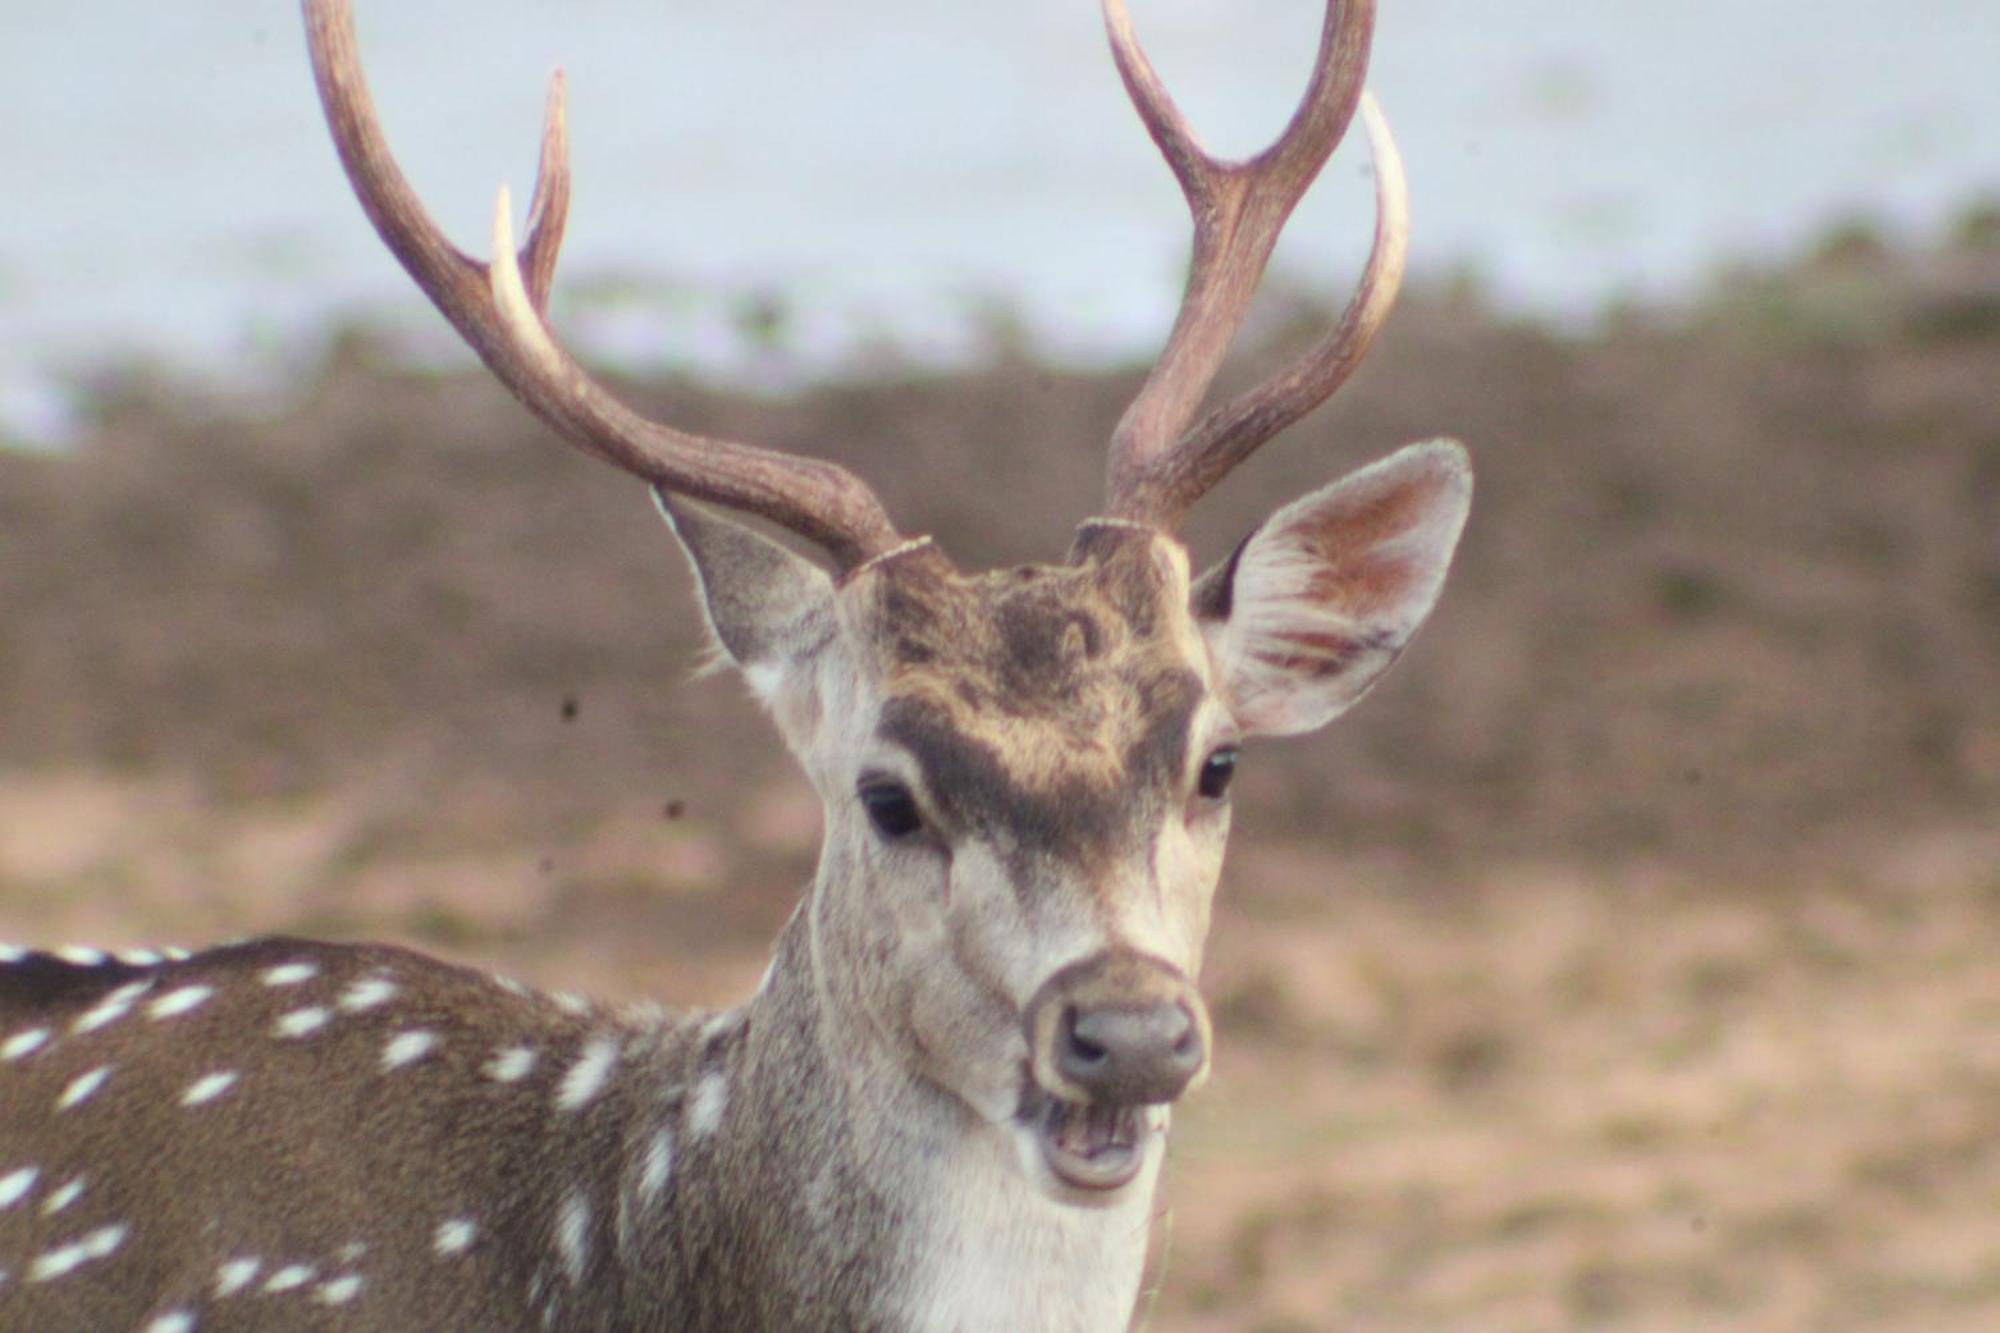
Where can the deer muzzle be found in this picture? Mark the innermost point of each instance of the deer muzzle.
(1109, 1036)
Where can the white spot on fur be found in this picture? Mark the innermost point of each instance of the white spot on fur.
(290, 974)
(719, 1024)
(455, 1236)
(573, 1235)
(139, 957)
(407, 1048)
(510, 1065)
(235, 1275)
(289, 1278)
(82, 1086)
(98, 1017)
(63, 1197)
(351, 1251)
(570, 1002)
(710, 1100)
(14, 1187)
(173, 1321)
(339, 1290)
(111, 1008)
(643, 1013)
(23, 1043)
(367, 993)
(764, 678)
(586, 1078)
(301, 1022)
(175, 955)
(175, 1003)
(657, 1165)
(208, 1088)
(12, 953)
(66, 1259)
(82, 955)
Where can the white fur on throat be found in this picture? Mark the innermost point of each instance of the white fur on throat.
(995, 1254)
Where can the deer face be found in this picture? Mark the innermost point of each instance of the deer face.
(1026, 776)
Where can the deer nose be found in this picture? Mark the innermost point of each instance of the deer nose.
(1118, 1029)
(1130, 1056)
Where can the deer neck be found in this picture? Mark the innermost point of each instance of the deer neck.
(808, 1169)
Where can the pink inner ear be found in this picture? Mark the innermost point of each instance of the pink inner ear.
(1329, 592)
(1317, 654)
(1360, 584)
(1345, 540)
(1387, 509)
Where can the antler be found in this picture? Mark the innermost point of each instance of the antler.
(1159, 466)
(501, 307)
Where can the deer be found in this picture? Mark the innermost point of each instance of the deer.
(945, 1108)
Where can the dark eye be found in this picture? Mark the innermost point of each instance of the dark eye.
(890, 806)
(1216, 773)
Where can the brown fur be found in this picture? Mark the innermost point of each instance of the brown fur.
(1048, 706)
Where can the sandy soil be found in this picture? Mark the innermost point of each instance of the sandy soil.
(1626, 961)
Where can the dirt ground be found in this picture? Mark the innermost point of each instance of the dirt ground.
(1627, 961)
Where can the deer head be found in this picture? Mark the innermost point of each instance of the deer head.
(1026, 772)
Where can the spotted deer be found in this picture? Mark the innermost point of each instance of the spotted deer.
(945, 1107)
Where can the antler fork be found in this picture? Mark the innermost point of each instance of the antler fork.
(1159, 465)
(501, 307)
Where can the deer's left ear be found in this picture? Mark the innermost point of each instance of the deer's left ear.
(1320, 599)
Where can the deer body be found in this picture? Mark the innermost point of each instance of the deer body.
(580, 1166)
(944, 1110)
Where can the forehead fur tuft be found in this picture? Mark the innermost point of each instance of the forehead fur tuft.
(1073, 684)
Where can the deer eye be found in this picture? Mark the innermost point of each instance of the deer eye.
(1216, 772)
(891, 808)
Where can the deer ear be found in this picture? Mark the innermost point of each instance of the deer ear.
(768, 610)
(1319, 600)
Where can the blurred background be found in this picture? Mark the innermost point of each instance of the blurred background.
(1626, 961)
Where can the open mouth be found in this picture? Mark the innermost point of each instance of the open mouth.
(1089, 1147)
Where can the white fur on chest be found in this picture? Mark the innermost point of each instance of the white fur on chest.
(997, 1255)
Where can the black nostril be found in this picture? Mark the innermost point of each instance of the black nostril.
(1130, 1055)
(1080, 1054)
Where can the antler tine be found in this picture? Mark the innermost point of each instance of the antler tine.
(500, 309)
(1238, 209)
(548, 208)
(1162, 118)
(1235, 430)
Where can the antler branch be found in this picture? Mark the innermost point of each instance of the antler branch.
(1159, 466)
(501, 309)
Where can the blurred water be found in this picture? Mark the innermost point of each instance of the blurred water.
(887, 177)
